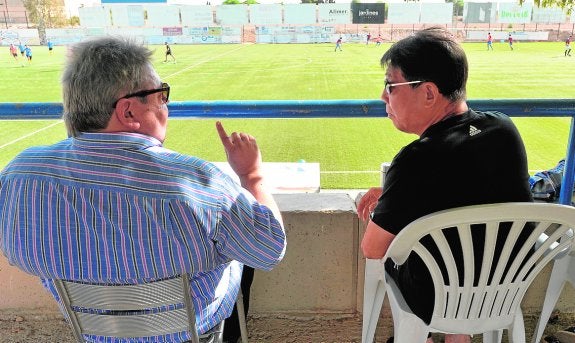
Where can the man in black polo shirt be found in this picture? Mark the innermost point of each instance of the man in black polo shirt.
(462, 157)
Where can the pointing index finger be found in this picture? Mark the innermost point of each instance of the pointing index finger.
(223, 135)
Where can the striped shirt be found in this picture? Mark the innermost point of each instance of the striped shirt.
(119, 208)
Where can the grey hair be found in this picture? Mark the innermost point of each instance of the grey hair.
(97, 73)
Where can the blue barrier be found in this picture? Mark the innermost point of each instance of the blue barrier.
(332, 109)
(304, 108)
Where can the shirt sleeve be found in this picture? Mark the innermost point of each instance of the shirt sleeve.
(248, 231)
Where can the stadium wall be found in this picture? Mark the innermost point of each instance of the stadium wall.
(156, 23)
(274, 34)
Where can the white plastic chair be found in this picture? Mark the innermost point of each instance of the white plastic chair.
(563, 271)
(468, 309)
(171, 298)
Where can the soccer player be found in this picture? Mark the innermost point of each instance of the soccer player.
(169, 53)
(368, 38)
(338, 44)
(568, 46)
(14, 52)
(28, 52)
(510, 40)
(489, 41)
(50, 46)
(22, 47)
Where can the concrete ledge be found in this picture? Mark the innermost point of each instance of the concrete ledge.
(319, 271)
(322, 272)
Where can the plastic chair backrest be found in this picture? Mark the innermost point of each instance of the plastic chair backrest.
(487, 299)
(142, 310)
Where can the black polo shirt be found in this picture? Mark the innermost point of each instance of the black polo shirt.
(469, 159)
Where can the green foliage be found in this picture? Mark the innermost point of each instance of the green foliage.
(567, 5)
(46, 14)
(74, 21)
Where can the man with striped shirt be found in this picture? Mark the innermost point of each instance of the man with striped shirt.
(111, 205)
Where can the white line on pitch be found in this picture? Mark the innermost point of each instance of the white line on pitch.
(31, 134)
(202, 62)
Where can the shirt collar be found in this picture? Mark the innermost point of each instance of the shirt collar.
(116, 140)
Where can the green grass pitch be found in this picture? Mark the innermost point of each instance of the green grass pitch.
(349, 150)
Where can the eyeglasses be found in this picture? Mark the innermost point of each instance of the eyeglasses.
(389, 86)
(165, 89)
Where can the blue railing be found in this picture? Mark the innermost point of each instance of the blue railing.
(334, 109)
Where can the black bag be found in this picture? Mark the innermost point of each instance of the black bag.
(546, 185)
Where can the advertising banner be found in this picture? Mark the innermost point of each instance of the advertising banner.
(511, 13)
(131, 1)
(265, 14)
(129, 15)
(403, 13)
(172, 31)
(548, 15)
(372, 13)
(479, 12)
(334, 14)
(300, 13)
(232, 14)
(94, 17)
(159, 16)
(436, 13)
(196, 15)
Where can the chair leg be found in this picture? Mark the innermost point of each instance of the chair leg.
(407, 327)
(242, 316)
(373, 295)
(571, 268)
(517, 331)
(406, 331)
(493, 336)
(554, 288)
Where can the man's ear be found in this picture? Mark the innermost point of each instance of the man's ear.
(125, 116)
(431, 93)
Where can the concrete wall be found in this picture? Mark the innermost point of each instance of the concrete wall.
(322, 271)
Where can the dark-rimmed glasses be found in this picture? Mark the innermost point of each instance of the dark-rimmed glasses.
(165, 89)
(389, 86)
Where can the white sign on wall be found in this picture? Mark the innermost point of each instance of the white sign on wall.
(94, 17)
(479, 12)
(334, 14)
(436, 13)
(548, 15)
(514, 14)
(265, 14)
(403, 13)
(127, 15)
(232, 14)
(161, 15)
(196, 15)
(299, 13)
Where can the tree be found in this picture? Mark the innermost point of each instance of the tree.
(567, 5)
(46, 14)
(74, 21)
(457, 6)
